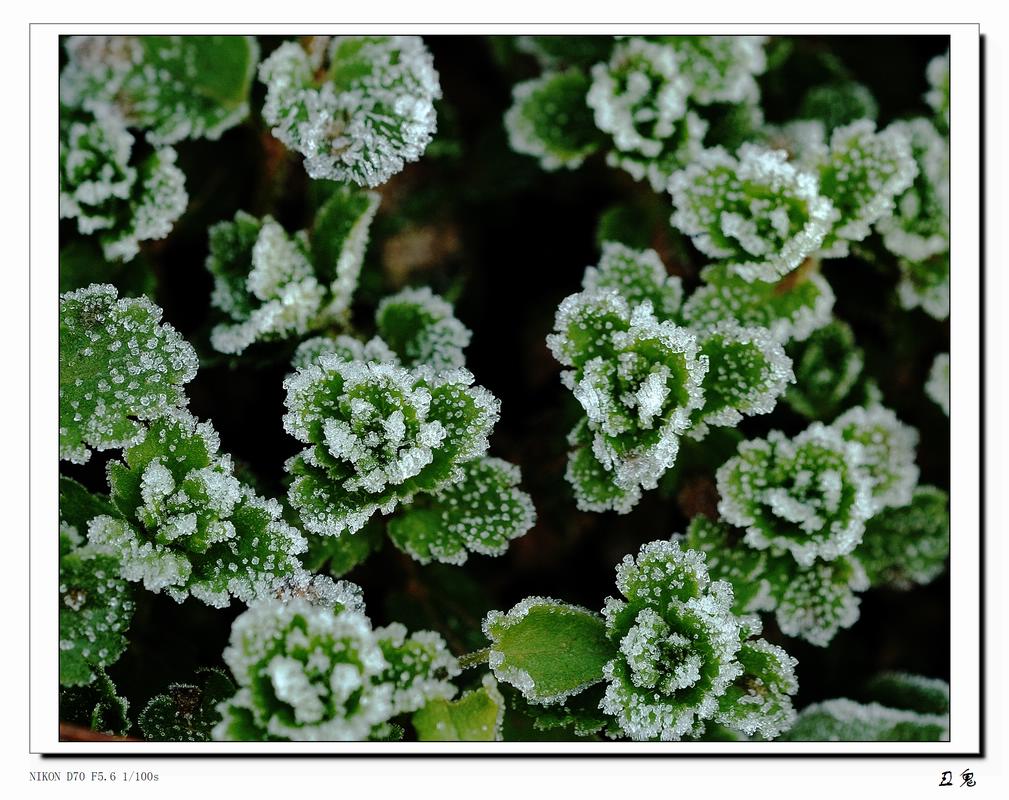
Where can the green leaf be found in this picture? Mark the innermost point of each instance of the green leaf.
(910, 692)
(481, 513)
(827, 366)
(474, 717)
(341, 554)
(118, 365)
(339, 238)
(760, 699)
(96, 706)
(422, 330)
(638, 276)
(728, 559)
(186, 712)
(547, 649)
(839, 103)
(908, 546)
(844, 720)
(817, 601)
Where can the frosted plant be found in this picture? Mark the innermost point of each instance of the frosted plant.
(844, 720)
(639, 98)
(477, 716)
(828, 367)
(123, 198)
(908, 691)
(919, 225)
(755, 211)
(937, 385)
(358, 108)
(720, 69)
(481, 513)
(559, 51)
(310, 672)
(550, 120)
(908, 546)
(862, 174)
(808, 495)
(790, 309)
(805, 140)
(186, 526)
(173, 87)
(812, 602)
(637, 276)
(118, 366)
(747, 373)
(839, 103)
(96, 605)
(888, 450)
(421, 328)
(343, 346)
(186, 712)
(638, 381)
(273, 285)
(925, 285)
(97, 706)
(937, 96)
(378, 434)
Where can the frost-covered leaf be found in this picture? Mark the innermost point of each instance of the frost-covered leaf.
(828, 366)
(919, 225)
(580, 715)
(790, 309)
(937, 96)
(844, 720)
(118, 365)
(925, 285)
(340, 554)
(838, 104)
(474, 717)
(550, 120)
(863, 173)
(676, 642)
(759, 701)
(637, 276)
(888, 448)
(186, 712)
(83, 263)
(97, 706)
(419, 667)
(729, 559)
(481, 513)
(747, 373)
(909, 545)
(188, 526)
(547, 649)
(937, 385)
(720, 69)
(121, 197)
(637, 379)
(592, 483)
(554, 51)
(174, 87)
(815, 602)
(345, 347)
(358, 108)
(807, 495)
(377, 435)
(755, 211)
(910, 692)
(421, 329)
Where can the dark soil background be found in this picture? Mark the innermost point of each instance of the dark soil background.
(507, 242)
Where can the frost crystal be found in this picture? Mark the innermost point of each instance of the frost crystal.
(186, 525)
(637, 275)
(421, 328)
(362, 114)
(937, 385)
(757, 212)
(174, 87)
(118, 365)
(310, 673)
(122, 198)
(720, 69)
(888, 449)
(844, 720)
(378, 434)
(808, 495)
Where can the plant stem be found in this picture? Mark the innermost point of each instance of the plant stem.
(475, 658)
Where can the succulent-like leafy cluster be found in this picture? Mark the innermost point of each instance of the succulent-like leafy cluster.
(673, 655)
(358, 108)
(311, 671)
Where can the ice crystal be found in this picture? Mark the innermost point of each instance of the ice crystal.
(306, 672)
(360, 111)
(550, 120)
(828, 367)
(376, 435)
(808, 495)
(421, 328)
(272, 285)
(789, 309)
(937, 385)
(937, 96)
(844, 720)
(118, 365)
(481, 513)
(345, 347)
(888, 449)
(174, 87)
(186, 525)
(908, 546)
(755, 211)
(123, 198)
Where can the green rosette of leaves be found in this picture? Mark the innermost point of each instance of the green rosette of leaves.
(828, 369)
(637, 379)
(309, 671)
(755, 211)
(422, 330)
(808, 495)
(172, 87)
(186, 526)
(720, 69)
(378, 434)
(119, 366)
(122, 196)
(637, 276)
(358, 108)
